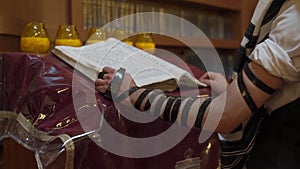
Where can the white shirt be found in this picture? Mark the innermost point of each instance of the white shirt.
(280, 54)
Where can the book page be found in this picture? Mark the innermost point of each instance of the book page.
(144, 67)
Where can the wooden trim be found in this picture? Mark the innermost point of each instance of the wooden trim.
(161, 40)
(9, 43)
(11, 26)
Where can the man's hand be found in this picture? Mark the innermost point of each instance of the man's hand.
(216, 81)
(102, 84)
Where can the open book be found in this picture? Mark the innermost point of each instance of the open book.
(146, 69)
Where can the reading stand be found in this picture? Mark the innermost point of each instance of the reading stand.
(38, 110)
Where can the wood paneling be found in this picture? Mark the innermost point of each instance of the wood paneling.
(17, 157)
(14, 14)
(9, 43)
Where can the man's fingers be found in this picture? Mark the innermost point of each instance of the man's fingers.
(101, 82)
(107, 76)
(101, 89)
(102, 85)
(206, 81)
(109, 70)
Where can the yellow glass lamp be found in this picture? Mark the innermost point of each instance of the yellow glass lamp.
(67, 35)
(123, 35)
(96, 35)
(34, 38)
(145, 42)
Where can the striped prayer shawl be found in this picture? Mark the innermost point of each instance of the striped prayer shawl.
(258, 29)
(236, 146)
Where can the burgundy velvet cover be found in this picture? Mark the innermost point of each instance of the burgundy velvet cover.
(42, 87)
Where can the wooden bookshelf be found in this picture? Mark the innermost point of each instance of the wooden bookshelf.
(165, 41)
(239, 12)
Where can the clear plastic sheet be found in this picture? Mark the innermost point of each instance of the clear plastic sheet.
(38, 112)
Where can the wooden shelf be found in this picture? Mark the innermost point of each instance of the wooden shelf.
(233, 5)
(238, 11)
(166, 41)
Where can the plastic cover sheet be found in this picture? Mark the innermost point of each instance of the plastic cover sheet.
(38, 112)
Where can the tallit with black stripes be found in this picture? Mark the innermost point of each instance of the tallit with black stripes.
(236, 147)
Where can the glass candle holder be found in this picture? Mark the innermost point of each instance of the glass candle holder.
(123, 35)
(67, 35)
(34, 38)
(145, 42)
(96, 35)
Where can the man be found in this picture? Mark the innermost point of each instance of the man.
(268, 79)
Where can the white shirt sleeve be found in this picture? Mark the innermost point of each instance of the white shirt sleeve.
(280, 53)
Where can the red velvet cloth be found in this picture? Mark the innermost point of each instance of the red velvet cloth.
(41, 89)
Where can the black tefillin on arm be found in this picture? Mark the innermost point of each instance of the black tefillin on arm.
(171, 104)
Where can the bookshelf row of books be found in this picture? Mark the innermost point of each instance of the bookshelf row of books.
(138, 17)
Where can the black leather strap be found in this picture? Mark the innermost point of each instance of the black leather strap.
(257, 82)
(158, 105)
(245, 93)
(186, 110)
(127, 93)
(174, 112)
(152, 96)
(141, 98)
(201, 112)
(101, 74)
(167, 110)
